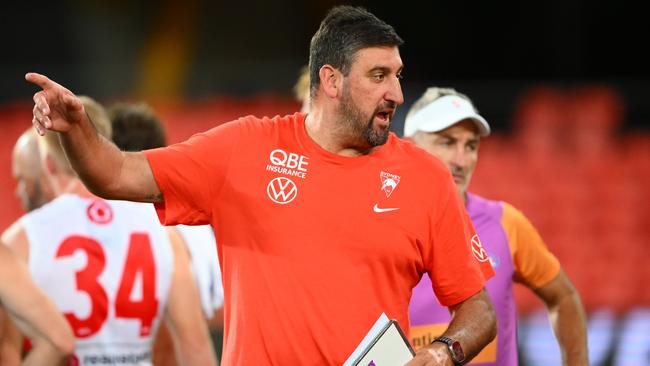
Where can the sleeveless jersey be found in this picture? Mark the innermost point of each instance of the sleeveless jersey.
(205, 265)
(107, 265)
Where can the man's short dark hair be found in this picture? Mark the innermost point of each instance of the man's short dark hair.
(344, 31)
(136, 127)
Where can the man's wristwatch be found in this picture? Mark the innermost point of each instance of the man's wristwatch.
(456, 351)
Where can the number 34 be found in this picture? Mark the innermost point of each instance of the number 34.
(139, 260)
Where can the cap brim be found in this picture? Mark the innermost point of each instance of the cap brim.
(443, 113)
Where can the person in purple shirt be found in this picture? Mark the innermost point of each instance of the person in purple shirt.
(446, 124)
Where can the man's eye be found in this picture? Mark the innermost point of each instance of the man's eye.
(400, 76)
(378, 77)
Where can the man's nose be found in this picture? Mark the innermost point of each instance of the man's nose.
(394, 93)
(459, 158)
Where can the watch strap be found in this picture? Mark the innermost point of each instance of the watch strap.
(450, 347)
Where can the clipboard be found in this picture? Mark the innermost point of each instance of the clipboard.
(388, 348)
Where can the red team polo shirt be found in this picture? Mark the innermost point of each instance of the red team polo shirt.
(315, 246)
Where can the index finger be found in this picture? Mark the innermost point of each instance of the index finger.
(40, 80)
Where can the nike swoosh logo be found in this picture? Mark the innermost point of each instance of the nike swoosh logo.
(379, 210)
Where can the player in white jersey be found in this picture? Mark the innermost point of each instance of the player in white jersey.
(109, 266)
(135, 128)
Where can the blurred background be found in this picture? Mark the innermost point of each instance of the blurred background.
(563, 83)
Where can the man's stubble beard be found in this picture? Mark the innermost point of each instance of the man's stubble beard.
(353, 119)
(35, 199)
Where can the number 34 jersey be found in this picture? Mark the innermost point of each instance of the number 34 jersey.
(107, 265)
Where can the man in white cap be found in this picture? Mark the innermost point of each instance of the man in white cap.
(446, 124)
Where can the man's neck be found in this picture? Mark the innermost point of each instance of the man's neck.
(64, 184)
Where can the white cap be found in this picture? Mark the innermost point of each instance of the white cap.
(442, 113)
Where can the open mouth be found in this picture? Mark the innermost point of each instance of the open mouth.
(383, 116)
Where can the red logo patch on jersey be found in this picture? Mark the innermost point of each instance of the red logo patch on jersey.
(477, 249)
(99, 212)
(388, 182)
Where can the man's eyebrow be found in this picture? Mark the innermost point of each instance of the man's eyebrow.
(384, 69)
(446, 136)
(379, 68)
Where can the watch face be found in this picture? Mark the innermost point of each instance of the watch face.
(459, 355)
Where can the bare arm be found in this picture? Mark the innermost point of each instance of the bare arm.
(10, 347)
(33, 313)
(567, 318)
(184, 317)
(104, 169)
(473, 324)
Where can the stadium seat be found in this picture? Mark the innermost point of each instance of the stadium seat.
(633, 347)
(539, 346)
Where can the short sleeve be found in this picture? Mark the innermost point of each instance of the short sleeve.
(457, 273)
(535, 265)
(190, 174)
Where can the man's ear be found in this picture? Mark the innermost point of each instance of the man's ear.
(50, 164)
(331, 80)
